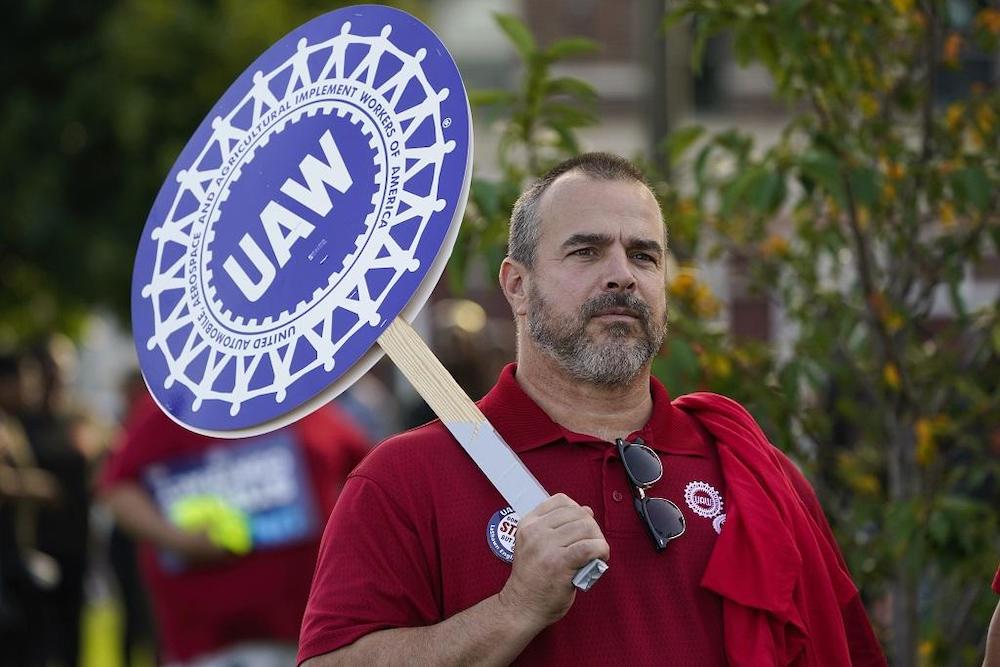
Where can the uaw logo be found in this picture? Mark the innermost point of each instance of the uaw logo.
(705, 501)
(320, 194)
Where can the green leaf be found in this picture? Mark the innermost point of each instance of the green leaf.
(865, 185)
(484, 97)
(972, 185)
(567, 140)
(570, 86)
(678, 368)
(568, 114)
(822, 169)
(675, 17)
(735, 191)
(458, 264)
(486, 197)
(571, 46)
(767, 192)
(681, 139)
(518, 34)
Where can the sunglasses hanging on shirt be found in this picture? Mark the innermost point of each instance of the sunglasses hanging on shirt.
(662, 518)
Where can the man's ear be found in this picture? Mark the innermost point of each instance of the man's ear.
(513, 277)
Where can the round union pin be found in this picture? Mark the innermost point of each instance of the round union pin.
(318, 200)
(703, 499)
(500, 533)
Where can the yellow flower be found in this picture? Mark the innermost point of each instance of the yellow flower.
(868, 104)
(926, 444)
(890, 374)
(863, 217)
(985, 118)
(866, 484)
(719, 366)
(683, 284)
(903, 6)
(686, 287)
(774, 245)
(989, 19)
(953, 115)
(705, 303)
(947, 214)
(895, 171)
(952, 49)
(888, 192)
(894, 322)
(974, 139)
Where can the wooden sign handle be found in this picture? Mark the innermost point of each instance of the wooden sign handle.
(471, 428)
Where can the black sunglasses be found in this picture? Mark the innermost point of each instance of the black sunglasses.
(664, 520)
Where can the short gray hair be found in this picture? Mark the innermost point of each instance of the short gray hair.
(524, 221)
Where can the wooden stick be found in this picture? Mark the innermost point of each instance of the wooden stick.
(471, 428)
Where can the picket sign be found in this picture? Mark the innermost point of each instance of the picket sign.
(307, 219)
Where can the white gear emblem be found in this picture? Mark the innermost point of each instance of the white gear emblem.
(703, 499)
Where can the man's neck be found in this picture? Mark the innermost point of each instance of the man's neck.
(604, 412)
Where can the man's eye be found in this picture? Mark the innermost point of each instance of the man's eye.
(584, 252)
(644, 257)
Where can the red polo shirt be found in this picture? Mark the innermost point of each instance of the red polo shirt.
(410, 542)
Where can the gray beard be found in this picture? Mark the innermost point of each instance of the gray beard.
(614, 362)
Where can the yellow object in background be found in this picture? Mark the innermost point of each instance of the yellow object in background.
(226, 526)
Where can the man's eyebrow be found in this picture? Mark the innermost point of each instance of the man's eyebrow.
(634, 243)
(587, 239)
(645, 244)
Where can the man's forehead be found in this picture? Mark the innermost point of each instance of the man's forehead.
(586, 205)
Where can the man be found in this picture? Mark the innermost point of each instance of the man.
(228, 588)
(726, 559)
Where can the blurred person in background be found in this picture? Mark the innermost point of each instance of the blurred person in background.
(372, 407)
(137, 631)
(63, 445)
(228, 529)
(993, 634)
(24, 571)
(473, 348)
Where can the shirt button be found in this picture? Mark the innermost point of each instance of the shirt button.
(617, 496)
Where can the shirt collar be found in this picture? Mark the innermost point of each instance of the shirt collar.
(525, 426)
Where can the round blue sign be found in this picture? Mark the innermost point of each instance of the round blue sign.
(319, 200)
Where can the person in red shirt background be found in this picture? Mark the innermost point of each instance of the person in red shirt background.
(993, 635)
(719, 552)
(234, 589)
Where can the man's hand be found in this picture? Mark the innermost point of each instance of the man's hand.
(553, 541)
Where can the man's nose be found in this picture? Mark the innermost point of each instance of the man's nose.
(620, 277)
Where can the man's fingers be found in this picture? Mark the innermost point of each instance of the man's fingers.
(576, 531)
(583, 551)
(563, 515)
(551, 503)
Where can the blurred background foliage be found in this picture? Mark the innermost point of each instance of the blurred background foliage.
(862, 224)
(99, 98)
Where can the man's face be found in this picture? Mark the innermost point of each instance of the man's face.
(596, 299)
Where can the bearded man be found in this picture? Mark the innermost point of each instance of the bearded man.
(719, 551)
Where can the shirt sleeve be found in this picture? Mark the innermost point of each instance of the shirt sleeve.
(376, 570)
